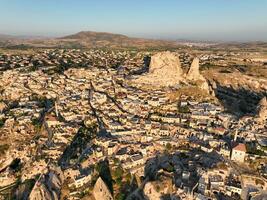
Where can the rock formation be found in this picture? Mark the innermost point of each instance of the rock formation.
(193, 73)
(262, 110)
(101, 191)
(2, 106)
(164, 70)
(40, 192)
(150, 192)
(48, 186)
(165, 64)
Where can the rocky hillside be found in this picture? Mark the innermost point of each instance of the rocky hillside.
(238, 91)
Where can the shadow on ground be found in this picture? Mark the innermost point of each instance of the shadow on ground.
(238, 102)
(181, 169)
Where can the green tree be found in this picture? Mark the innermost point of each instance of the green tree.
(104, 172)
(128, 177)
(2, 122)
(168, 146)
(120, 196)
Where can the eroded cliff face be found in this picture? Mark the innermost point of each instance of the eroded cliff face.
(101, 191)
(165, 64)
(194, 76)
(238, 92)
(164, 70)
(262, 110)
(193, 73)
(237, 80)
(48, 186)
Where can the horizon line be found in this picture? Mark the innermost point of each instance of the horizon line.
(178, 39)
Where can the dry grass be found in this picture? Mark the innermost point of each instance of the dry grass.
(191, 91)
(253, 70)
(257, 71)
(17, 51)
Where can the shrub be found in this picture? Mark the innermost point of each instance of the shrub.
(2, 122)
(3, 148)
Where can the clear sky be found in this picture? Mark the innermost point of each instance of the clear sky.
(239, 20)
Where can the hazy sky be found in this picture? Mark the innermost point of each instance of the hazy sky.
(240, 20)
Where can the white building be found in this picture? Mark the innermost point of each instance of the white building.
(239, 153)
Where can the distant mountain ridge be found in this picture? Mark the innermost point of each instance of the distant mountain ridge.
(6, 37)
(87, 39)
(105, 39)
(91, 39)
(94, 35)
(20, 37)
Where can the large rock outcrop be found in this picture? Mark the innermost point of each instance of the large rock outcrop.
(193, 73)
(150, 192)
(165, 64)
(41, 192)
(48, 186)
(262, 110)
(164, 70)
(101, 191)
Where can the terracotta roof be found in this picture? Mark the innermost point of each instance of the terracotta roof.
(221, 129)
(240, 147)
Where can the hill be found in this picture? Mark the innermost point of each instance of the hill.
(87, 39)
(90, 35)
(6, 37)
(90, 39)
(104, 39)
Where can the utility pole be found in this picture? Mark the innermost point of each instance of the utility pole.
(56, 107)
